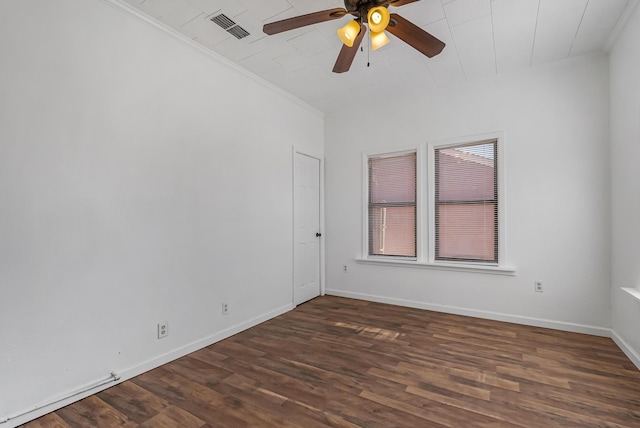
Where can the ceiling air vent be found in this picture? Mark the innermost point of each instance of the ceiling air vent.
(223, 21)
(238, 32)
(230, 26)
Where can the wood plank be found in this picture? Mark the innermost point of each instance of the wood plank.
(172, 417)
(504, 415)
(336, 362)
(130, 399)
(51, 420)
(94, 412)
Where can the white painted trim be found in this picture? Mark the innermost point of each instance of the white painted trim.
(131, 372)
(320, 160)
(425, 195)
(90, 388)
(323, 247)
(201, 343)
(139, 369)
(293, 225)
(496, 316)
(633, 355)
(422, 202)
(499, 136)
(633, 291)
(365, 194)
(430, 240)
(620, 25)
(365, 206)
(459, 267)
(122, 6)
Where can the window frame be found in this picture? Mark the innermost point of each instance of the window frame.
(385, 205)
(425, 209)
(437, 203)
(367, 220)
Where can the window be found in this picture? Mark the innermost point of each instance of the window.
(466, 203)
(392, 205)
(439, 206)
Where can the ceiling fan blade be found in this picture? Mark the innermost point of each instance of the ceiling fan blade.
(347, 54)
(303, 20)
(398, 3)
(415, 36)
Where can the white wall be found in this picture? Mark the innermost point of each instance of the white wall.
(625, 178)
(141, 180)
(555, 120)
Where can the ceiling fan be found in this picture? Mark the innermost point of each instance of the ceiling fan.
(375, 14)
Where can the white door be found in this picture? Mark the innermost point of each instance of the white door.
(306, 223)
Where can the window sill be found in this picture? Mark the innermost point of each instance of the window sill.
(633, 291)
(495, 270)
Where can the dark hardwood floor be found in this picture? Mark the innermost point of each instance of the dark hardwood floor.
(348, 363)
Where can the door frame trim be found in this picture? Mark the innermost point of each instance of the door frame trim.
(299, 151)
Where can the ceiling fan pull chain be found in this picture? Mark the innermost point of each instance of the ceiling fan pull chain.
(368, 52)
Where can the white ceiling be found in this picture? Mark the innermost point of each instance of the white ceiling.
(483, 38)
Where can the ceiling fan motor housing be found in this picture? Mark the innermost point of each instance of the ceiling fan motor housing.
(359, 8)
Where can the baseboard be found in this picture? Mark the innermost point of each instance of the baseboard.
(128, 373)
(633, 355)
(496, 316)
(199, 344)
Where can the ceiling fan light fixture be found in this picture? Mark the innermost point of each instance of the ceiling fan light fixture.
(378, 40)
(378, 18)
(369, 15)
(349, 32)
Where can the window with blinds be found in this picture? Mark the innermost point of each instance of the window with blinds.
(392, 205)
(466, 203)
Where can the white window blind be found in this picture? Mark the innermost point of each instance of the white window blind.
(466, 203)
(392, 205)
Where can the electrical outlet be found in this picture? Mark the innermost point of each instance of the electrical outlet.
(537, 286)
(225, 309)
(345, 268)
(163, 329)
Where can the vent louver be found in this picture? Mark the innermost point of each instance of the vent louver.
(223, 21)
(227, 24)
(238, 32)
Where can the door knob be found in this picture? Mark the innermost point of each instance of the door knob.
(318, 234)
